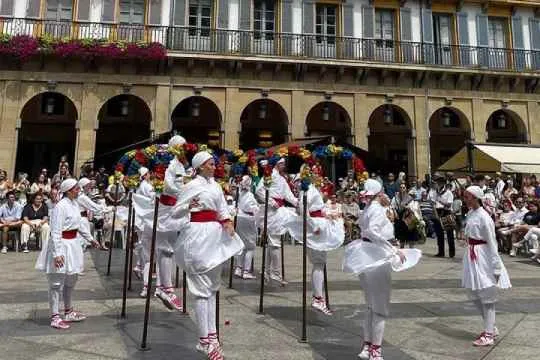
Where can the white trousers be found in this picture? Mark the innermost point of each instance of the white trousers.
(26, 230)
(60, 285)
(205, 312)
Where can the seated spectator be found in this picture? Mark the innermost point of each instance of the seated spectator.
(41, 185)
(21, 188)
(504, 223)
(5, 186)
(530, 220)
(35, 217)
(10, 218)
(62, 174)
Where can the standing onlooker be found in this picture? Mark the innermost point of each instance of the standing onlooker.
(102, 178)
(10, 218)
(22, 187)
(41, 186)
(111, 195)
(62, 174)
(499, 187)
(416, 190)
(510, 191)
(427, 208)
(444, 224)
(528, 187)
(35, 217)
(5, 186)
(45, 174)
(391, 187)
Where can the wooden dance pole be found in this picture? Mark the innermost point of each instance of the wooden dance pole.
(326, 296)
(217, 313)
(282, 257)
(264, 241)
(144, 345)
(126, 259)
(184, 293)
(112, 230)
(177, 278)
(231, 270)
(304, 268)
(132, 235)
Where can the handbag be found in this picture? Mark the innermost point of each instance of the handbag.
(448, 222)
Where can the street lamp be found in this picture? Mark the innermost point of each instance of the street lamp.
(195, 109)
(262, 110)
(445, 116)
(326, 112)
(124, 107)
(49, 105)
(501, 121)
(388, 116)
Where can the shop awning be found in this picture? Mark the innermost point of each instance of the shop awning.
(509, 158)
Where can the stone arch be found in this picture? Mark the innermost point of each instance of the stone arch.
(264, 123)
(329, 118)
(449, 130)
(390, 139)
(123, 120)
(199, 120)
(47, 132)
(506, 126)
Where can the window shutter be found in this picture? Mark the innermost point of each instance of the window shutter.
(7, 8)
(223, 14)
(155, 12)
(107, 13)
(286, 16)
(428, 49)
(463, 38)
(33, 8)
(309, 8)
(534, 29)
(519, 46)
(348, 22)
(406, 26)
(368, 18)
(245, 14)
(482, 39)
(407, 48)
(83, 11)
(179, 12)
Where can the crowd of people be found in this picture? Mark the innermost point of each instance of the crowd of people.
(382, 219)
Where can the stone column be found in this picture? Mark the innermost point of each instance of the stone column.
(420, 145)
(360, 121)
(231, 120)
(10, 114)
(479, 120)
(162, 118)
(533, 132)
(298, 115)
(88, 124)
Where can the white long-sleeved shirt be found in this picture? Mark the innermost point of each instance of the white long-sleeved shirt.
(146, 189)
(66, 216)
(279, 189)
(480, 226)
(445, 200)
(247, 203)
(174, 178)
(86, 204)
(376, 226)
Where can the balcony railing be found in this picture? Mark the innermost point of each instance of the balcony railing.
(299, 46)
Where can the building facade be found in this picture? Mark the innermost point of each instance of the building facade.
(409, 80)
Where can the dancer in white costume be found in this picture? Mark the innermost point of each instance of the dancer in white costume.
(374, 258)
(483, 269)
(145, 193)
(323, 234)
(246, 227)
(87, 205)
(278, 192)
(205, 242)
(62, 258)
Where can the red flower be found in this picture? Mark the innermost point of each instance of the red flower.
(294, 149)
(139, 156)
(267, 171)
(358, 165)
(119, 168)
(220, 171)
(269, 153)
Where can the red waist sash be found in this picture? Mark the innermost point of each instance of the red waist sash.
(279, 202)
(167, 200)
(316, 213)
(472, 244)
(204, 216)
(69, 234)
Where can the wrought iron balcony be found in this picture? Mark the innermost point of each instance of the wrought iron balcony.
(287, 45)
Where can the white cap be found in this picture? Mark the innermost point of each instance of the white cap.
(143, 171)
(476, 191)
(176, 140)
(371, 187)
(263, 162)
(83, 182)
(200, 158)
(67, 185)
(245, 183)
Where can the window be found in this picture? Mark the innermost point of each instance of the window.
(6, 7)
(59, 10)
(32, 8)
(442, 38)
(325, 23)
(131, 11)
(200, 17)
(264, 19)
(108, 10)
(497, 32)
(384, 24)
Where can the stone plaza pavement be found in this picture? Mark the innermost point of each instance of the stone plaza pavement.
(430, 316)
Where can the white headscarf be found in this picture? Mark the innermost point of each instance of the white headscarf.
(245, 184)
(176, 140)
(476, 191)
(83, 182)
(371, 187)
(200, 158)
(67, 185)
